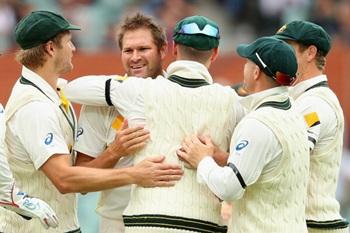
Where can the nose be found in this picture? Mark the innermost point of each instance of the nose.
(135, 56)
(72, 46)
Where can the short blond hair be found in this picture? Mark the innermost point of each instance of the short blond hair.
(36, 57)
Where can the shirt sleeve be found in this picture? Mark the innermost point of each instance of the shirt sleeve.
(254, 149)
(88, 90)
(320, 120)
(40, 134)
(94, 126)
(104, 91)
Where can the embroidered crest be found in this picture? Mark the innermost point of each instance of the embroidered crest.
(282, 29)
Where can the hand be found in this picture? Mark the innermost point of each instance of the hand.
(153, 172)
(30, 207)
(194, 149)
(129, 140)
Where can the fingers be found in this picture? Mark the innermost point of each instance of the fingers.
(141, 139)
(182, 154)
(205, 139)
(131, 131)
(163, 184)
(157, 159)
(164, 181)
(133, 136)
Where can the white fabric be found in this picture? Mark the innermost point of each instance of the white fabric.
(6, 179)
(37, 129)
(28, 139)
(308, 104)
(163, 105)
(325, 157)
(115, 225)
(221, 180)
(94, 135)
(271, 189)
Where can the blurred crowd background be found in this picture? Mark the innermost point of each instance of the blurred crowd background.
(240, 21)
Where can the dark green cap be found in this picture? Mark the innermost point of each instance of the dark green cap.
(197, 32)
(306, 33)
(40, 26)
(275, 54)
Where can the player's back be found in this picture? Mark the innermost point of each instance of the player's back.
(173, 112)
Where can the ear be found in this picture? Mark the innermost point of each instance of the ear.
(257, 72)
(311, 53)
(163, 51)
(215, 54)
(174, 48)
(49, 48)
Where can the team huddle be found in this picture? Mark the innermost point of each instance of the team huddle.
(167, 146)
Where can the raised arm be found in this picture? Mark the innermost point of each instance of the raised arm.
(88, 90)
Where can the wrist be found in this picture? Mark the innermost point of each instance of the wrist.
(113, 155)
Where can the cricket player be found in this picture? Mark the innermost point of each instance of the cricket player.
(185, 101)
(41, 130)
(14, 199)
(143, 48)
(325, 124)
(267, 171)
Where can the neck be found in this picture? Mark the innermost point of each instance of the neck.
(310, 71)
(263, 83)
(48, 75)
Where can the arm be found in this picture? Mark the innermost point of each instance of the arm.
(88, 90)
(148, 173)
(320, 119)
(249, 154)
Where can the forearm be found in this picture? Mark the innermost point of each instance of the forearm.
(106, 159)
(83, 180)
(70, 179)
(221, 180)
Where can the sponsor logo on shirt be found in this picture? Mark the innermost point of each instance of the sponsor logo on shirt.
(80, 131)
(242, 144)
(48, 138)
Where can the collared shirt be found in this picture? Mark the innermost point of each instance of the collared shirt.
(254, 150)
(35, 127)
(320, 134)
(6, 179)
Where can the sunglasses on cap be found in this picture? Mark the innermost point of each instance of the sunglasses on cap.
(281, 78)
(192, 28)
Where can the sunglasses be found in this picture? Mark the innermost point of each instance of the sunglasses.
(192, 28)
(281, 78)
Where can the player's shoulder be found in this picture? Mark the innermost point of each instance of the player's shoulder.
(38, 109)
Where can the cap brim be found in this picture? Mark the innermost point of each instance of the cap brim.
(243, 50)
(73, 27)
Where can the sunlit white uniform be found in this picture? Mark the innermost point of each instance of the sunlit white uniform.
(185, 103)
